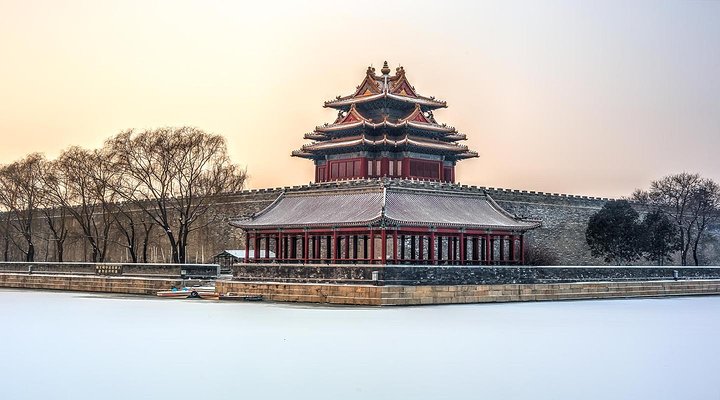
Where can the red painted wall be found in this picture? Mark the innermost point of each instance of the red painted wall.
(352, 168)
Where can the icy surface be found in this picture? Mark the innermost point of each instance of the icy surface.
(78, 346)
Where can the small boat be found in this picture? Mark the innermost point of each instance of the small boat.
(199, 292)
(235, 296)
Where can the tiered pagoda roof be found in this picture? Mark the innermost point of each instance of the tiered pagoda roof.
(385, 113)
(385, 130)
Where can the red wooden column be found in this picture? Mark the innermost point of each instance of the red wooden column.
(328, 248)
(280, 254)
(488, 252)
(372, 246)
(355, 247)
(267, 246)
(247, 246)
(383, 246)
(365, 247)
(522, 248)
(395, 246)
(431, 248)
(306, 247)
(412, 247)
(334, 246)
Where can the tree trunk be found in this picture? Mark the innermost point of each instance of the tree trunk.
(30, 257)
(686, 241)
(147, 228)
(183, 246)
(173, 245)
(60, 249)
(94, 252)
(696, 245)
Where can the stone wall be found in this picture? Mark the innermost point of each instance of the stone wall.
(444, 294)
(456, 275)
(78, 283)
(114, 269)
(304, 293)
(560, 240)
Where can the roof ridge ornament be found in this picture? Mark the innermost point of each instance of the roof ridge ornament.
(385, 69)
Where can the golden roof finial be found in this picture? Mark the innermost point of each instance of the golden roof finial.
(385, 69)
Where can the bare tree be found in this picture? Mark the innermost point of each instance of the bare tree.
(20, 188)
(53, 211)
(690, 201)
(134, 228)
(80, 184)
(7, 235)
(171, 174)
(706, 206)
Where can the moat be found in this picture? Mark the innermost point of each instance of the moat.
(84, 346)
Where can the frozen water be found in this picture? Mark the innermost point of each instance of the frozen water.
(56, 345)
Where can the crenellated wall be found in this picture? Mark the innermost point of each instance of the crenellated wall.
(560, 240)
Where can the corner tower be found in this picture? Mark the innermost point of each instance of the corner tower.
(385, 128)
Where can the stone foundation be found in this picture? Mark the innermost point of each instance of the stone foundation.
(372, 295)
(80, 283)
(462, 294)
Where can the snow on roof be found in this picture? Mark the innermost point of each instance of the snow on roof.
(241, 253)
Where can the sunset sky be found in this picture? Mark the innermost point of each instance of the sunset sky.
(579, 97)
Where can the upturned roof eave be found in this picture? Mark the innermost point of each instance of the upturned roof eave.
(328, 225)
(389, 222)
(453, 148)
(519, 227)
(386, 124)
(348, 100)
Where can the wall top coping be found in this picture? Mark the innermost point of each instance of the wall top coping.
(421, 184)
(104, 263)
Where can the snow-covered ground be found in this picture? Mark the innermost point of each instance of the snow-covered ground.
(57, 345)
